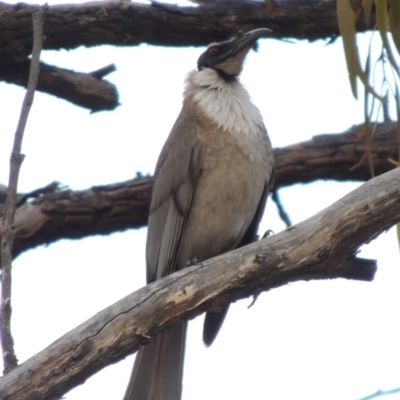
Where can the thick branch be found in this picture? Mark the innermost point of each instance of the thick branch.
(86, 90)
(73, 215)
(66, 214)
(334, 156)
(319, 248)
(125, 23)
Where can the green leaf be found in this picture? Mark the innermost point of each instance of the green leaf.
(346, 19)
(382, 18)
(367, 7)
(356, 5)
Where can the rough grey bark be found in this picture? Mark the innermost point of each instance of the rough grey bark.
(50, 214)
(321, 247)
(125, 23)
(335, 156)
(88, 90)
(76, 214)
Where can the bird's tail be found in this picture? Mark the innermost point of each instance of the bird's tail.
(158, 368)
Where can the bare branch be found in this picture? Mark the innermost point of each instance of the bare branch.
(7, 343)
(68, 214)
(333, 156)
(87, 90)
(76, 214)
(319, 248)
(125, 23)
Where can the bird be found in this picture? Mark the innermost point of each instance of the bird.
(211, 183)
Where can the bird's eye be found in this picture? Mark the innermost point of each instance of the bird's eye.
(213, 51)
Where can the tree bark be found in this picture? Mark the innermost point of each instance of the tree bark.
(47, 215)
(76, 214)
(88, 90)
(125, 23)
(336, 156)
(321, 247)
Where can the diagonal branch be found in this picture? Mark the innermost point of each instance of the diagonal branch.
(321, 247)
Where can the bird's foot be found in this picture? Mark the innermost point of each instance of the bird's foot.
(194, 261)
(268, 233)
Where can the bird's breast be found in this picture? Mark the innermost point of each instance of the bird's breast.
(228, 191)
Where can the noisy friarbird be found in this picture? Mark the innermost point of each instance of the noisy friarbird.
(211, 184)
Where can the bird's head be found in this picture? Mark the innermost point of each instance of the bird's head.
(227, 57)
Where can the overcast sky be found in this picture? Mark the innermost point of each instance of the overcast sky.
(331, 340)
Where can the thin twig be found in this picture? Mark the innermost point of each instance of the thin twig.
(102, 72)
(281, 210)
(381, 393)
(7, 343)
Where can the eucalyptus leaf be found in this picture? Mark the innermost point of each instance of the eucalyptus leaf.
(367, 7)
(346, 20)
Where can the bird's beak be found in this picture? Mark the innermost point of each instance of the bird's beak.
(244, 41)
(227, 57)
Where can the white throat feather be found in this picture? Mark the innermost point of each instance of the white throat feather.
(227, 104)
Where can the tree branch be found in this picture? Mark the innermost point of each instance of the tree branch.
(321, 247)
(334, 156)
(86, 90)
(96, 211)
(125, 23)
(44, 217)
(7, 342)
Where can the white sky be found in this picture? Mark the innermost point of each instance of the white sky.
(318, 340)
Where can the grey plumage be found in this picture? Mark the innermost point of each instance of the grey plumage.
(211, 184)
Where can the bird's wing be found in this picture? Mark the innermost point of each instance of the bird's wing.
(177, 171)
(251, 234)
